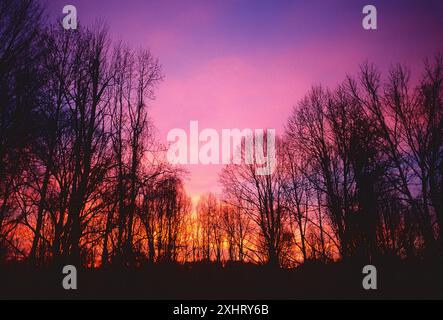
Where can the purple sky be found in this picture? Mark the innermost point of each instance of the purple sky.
(244, 64)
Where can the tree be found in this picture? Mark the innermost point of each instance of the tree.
(20, 90)
(261, 197)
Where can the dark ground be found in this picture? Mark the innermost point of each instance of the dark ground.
(396, 280)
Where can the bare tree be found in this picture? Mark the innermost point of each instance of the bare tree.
(261, 197)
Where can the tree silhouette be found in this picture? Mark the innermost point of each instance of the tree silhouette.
(84, 178)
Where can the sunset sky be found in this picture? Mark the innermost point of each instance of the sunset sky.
(244, 64)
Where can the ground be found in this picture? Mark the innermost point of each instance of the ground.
(339, 280)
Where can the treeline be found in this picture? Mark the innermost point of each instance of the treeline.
(83, 179)
(359, 173)
(358, 176)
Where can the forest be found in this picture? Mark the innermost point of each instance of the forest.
(84, 177)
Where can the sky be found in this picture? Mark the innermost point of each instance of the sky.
(246, 63)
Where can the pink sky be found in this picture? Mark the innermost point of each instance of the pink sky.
(244, 64)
